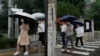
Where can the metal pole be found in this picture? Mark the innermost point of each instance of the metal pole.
(46, 26)
(9, 19)
(16, 25)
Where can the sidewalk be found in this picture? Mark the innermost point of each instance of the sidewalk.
(7, 52)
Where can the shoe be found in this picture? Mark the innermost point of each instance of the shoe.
(63, 47)
(16, 53)
(65, 51)
(43, 46)
(26, 53)
(71, 50)
(75, 46)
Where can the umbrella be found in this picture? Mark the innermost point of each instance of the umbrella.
(26, 16)
(38, 15)
(78, 22)
(68, 18)
(22, 15)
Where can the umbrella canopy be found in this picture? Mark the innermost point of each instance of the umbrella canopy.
(22, 15)
(38, 15)
(68, 18)
(78, 22)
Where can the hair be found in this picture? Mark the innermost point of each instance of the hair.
(25, 21)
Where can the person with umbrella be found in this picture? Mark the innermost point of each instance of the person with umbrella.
(41, 31)
(68, 36)
(79, 32)
(23, 38)
(69, 32)
(63, 32)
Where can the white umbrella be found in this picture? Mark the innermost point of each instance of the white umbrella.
(22, 15)
(38, 15)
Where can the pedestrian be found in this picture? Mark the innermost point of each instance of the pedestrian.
(63, 33)
(69, 36)
(23, 38)
(41, 31)
(79, 34)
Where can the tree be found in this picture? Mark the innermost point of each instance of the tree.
(30, 6)
(65, 8)
(94, 13)
(3, 14)
(77, 3)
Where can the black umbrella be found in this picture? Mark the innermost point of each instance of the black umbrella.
(68, 18)
(78, 22)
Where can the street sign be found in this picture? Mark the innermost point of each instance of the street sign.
(87, 25)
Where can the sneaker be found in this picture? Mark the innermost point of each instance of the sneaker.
(16, 53)
(75, 46)
(71, 50)
(65, 51)
(26, 53)
(43, 46)
(63, 47)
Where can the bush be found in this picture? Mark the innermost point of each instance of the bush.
(7, 42)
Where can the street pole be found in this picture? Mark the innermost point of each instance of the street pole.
(9, 19)
(46, 26)
(16, 25)
(51, 43)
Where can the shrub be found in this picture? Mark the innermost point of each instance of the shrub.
(7, 42)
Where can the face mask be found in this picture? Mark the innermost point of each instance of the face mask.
(22, 20)
(39, 21)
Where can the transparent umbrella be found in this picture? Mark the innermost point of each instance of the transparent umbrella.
(22, 15)
(38, 15)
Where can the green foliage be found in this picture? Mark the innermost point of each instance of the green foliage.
(94, 13)
(77, 3)
(65, 8)
(7, 42)
(30, 6)
(4, 14)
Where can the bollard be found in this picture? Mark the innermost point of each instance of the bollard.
(58, 51)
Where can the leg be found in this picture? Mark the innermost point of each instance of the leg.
(39, 36)
(26, 47)
(71, 40)
(17, 52)
(66, 42)
(42, 38)
(67, 39)
(63, 38)
(76, 41)
(18, 47)
(81, 41)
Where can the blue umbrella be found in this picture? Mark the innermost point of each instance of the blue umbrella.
(78, 22)
(68, 18)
